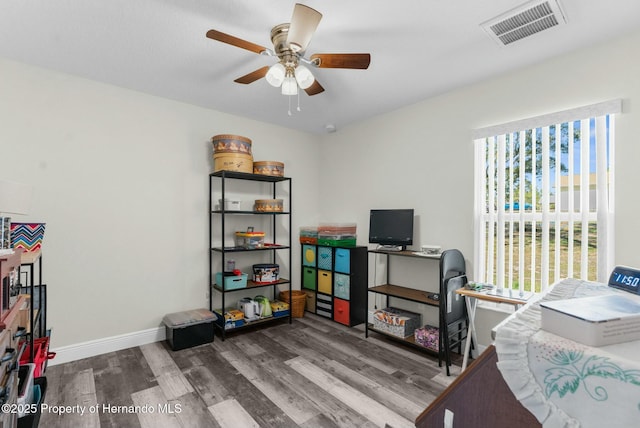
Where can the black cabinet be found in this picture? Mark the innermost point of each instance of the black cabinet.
(335, 280)
(276, 248)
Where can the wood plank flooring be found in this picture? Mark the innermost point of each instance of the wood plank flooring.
(311, 373)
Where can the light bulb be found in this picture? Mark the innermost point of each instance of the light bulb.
(304, 76)
(289, 86)
(275, 75)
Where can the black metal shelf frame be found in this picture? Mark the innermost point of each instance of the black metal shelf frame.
(38, 301)
(221, 177)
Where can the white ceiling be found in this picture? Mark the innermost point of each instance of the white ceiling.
(419, 48)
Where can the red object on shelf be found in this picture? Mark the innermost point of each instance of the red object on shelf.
(41, 355)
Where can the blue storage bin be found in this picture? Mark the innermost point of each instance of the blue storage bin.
(232, 282)
(341, 285)
(343, 260)
(325, 258)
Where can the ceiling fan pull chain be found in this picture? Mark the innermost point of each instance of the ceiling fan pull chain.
(298, 100)
(289, 106)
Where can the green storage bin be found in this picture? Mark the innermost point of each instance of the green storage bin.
(309, 278)
(350, 243)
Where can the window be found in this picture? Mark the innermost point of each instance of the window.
(544, 198)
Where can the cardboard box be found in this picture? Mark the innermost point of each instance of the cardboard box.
(396, 322)
(594, 321)
(232, 318)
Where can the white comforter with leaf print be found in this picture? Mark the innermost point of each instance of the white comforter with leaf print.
(565, 383)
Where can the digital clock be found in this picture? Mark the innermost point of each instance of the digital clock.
(625, 278)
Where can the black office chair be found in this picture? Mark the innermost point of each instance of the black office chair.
(454, 321)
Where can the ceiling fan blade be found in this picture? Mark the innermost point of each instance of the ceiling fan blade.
(253, 76)
(314, 89)
(337, 60)
(234, 41)
(303, 24)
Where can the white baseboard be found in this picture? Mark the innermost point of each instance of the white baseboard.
(92, 348)
(480, 350)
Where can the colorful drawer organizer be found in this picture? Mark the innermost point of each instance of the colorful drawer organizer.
(336, 283)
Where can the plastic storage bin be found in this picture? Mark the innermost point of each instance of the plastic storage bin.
(30, 420)
(230, 204)
(189, 328)
(250, 240)
(309, 235)
(337, 228)
(232, 282)
(266, 273)
(337, 240)
(41, 355)
(25, 387)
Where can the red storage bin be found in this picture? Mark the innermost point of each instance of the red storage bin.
(341, 311)
(41, 355)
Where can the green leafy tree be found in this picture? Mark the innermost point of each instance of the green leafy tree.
(523, 152)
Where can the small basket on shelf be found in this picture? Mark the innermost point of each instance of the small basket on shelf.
(296, 302)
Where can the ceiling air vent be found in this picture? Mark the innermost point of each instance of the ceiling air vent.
(524, 21)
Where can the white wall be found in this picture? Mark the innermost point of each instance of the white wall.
(121, 180)
(121, 177)
(422, 156)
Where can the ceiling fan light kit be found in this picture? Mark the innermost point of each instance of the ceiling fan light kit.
(276, 74)
(304, 77)
(290, 41)
(289, 86)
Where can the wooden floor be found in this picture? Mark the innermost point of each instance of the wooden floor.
(311, 373)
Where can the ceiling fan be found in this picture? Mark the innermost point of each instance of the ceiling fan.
(290, 40)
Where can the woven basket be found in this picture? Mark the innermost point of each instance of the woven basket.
(297, 306)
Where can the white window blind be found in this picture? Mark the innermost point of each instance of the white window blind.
(544, 198)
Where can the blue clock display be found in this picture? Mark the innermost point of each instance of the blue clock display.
(625, 278)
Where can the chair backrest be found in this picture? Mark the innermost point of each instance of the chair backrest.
(453, 271)
(451, 264)
(453, 306)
